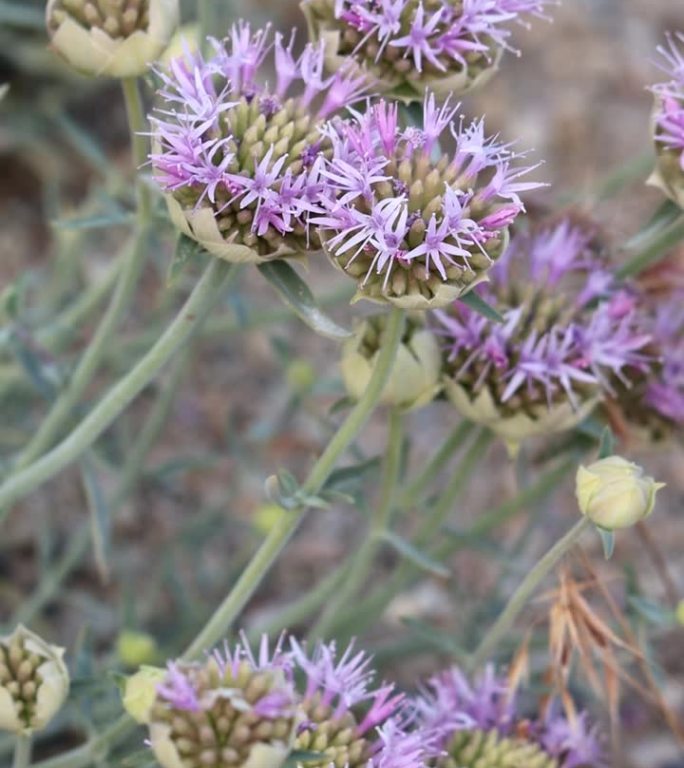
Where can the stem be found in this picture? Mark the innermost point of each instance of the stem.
(121, 299)
(206, 293)
(22, 752)
(502, 626)
(281, 533)
(361, 564)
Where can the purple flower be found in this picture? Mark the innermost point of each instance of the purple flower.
(239, 160)
(178, 690)
(566, 338)
(413, 230)
(484, 713)
(408, 45)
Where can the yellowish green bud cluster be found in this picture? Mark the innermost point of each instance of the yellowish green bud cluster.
(414, 378)
(34, 682)
(489, 749)
(615, 493)
(113, 38)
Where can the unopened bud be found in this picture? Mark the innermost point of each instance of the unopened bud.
(140, 692)
(615, 493)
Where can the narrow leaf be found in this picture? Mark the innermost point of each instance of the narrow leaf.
(352, 474)
(186, 249)
(437, 639)
(651, 611)
(415, 555)
(297, 295)
(100, 518)
(100, 221)
(478, 304)
(608, 542)
(607, 444)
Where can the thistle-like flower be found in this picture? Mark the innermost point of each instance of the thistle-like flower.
(668, 121)
(111, 38)
(412, 230)
(654, 406)
(410, 46)
(415, 375)
(234, 709)
(34, 681)
(238, 709)
(242, 163)
(477, 725)
(568, 334)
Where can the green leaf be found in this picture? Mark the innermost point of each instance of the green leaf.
(343, 404)
(42, 375)
(439, 640)
(479, 305)
(99, 221)
(652, 612)
(100, 518)
(415, 555)
(608, 542)
(186, 249)
(297, 295)
(661, 235)
(607, 444)
(353, 474)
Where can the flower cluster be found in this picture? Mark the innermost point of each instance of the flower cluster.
(668, 121)
(242, 162)
(238, 708)
(448, 46)
(568, 336)
(478, 725)
(415, 231)
(111, 37)
(655, 401)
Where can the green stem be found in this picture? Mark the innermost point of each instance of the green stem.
(503, 625)
(281, 533)
(22, 752)
(120, 301)
(363, 560)
(411, 495)
(435, 518)
(206, 293)
(132, 468)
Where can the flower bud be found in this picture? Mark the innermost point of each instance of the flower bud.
(111, 38)
(136, 648)
(490, 749)
(34, 681)
(140, 691)
(615, 493)
(414, 378)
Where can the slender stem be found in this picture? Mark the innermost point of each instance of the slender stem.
(121, 298)
(361, 563)
(456, 438)
(435, 518)
(206, 293)
(281, 533)
(22, 752)
(503, 625)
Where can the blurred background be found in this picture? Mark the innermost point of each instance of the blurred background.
(254, 397)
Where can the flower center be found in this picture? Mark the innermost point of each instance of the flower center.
(118, 18)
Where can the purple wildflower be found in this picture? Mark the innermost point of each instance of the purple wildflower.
(178, 690)
(565, 340)
(408, 45)
(237, 159)
(415, 231)
(668, 120)
(470, 719)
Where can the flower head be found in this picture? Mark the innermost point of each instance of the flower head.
(34, 681)
(568, 335)
(479, 725)
(241, 162)
(668, 121)
(234, 709)
(415, 231)
(111, 38)
(409, 46)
